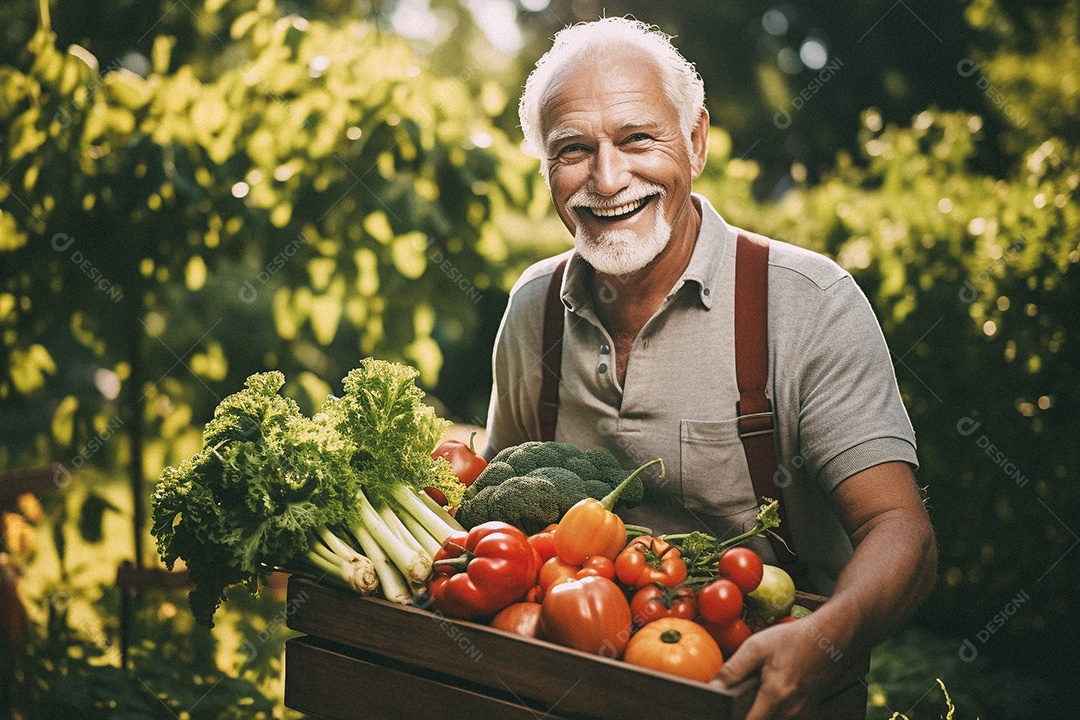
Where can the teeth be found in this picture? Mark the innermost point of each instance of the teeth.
(621, 210)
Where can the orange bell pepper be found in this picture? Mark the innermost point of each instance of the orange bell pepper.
(590, 528)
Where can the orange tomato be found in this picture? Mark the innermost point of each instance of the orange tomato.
(676, 646)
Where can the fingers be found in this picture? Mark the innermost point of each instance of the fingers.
(779, 694)
(747, 660)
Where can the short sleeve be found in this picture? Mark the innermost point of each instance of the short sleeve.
(851, 415)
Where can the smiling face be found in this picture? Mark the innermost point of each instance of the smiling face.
(619, 167)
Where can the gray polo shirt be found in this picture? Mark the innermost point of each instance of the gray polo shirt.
(830, 377)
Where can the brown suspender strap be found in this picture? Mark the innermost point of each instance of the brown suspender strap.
(754, 409)
(551, 354)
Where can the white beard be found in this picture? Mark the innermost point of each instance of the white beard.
(622, 252)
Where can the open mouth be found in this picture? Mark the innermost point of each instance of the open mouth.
(621, 212)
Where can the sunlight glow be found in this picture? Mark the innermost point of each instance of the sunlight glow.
(813, 53)
(774, 22)
(498, 21)
(107, 383)
(414, 19)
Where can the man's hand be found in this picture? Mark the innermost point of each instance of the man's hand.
(892, 569)
(795, 661)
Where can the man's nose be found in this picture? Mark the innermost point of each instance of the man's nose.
(611, 172)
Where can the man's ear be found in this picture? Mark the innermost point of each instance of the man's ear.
(699, 144)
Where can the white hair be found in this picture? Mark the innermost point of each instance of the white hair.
(586, 42)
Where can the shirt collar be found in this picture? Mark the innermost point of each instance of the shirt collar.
(704, 268)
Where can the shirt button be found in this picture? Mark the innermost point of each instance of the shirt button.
(604, 349)
(602, 369)
(705, 292)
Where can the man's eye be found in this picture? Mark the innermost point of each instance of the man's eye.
(638, 137)
(571, 151)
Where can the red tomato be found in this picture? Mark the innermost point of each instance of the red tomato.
(589, 614)
(728, 637)
(597, 565)
(653, 602)
(646, 560)
(786, 619)
(720, 601)
(463, 458)
(522, 618)
(677, 646)
(544, 542)
(742, 566)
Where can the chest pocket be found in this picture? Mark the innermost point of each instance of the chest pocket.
(714, 475)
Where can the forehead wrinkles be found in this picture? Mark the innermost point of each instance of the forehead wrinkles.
(620, 84)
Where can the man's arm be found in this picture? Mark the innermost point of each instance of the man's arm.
(893, 568)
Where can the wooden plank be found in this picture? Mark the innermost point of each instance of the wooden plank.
(566, 680)
(370, 691)
(49, 478)
(132, 579)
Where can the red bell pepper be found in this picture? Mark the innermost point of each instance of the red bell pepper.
(480, 572)
(463, 458)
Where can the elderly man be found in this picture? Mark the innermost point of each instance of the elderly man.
(648, 357)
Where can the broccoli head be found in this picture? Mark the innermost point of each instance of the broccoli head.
(533, 485)
(531, 501)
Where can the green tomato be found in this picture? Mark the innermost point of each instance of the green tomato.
(774, 596)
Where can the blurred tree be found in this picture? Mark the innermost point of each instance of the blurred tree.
(319, 197)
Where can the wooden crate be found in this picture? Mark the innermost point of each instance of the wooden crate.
(364, 657)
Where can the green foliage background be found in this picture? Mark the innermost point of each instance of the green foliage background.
(292, 185)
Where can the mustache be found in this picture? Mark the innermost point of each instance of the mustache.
(586, 198)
